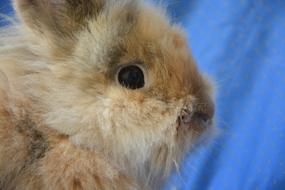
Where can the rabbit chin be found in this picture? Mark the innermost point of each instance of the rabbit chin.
(143, 143)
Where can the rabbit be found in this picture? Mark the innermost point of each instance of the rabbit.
(97, 94)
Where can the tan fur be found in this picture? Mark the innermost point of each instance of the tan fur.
(65, 121)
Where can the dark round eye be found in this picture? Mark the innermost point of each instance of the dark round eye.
(131, 77)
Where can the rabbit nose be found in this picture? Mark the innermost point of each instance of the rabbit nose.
(201, 114)
(188, 118)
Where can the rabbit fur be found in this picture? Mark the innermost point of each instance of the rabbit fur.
(66, 122)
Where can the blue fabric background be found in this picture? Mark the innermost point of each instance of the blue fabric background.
(241, 44)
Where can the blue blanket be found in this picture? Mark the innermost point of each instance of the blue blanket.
(241, 44)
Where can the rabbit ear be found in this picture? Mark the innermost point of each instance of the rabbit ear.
(57, 18)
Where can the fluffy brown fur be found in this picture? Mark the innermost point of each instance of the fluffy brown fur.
(65, 120)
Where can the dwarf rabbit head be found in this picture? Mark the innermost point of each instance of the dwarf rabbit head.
(121, 80)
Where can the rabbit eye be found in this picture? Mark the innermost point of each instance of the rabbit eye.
(131, 77)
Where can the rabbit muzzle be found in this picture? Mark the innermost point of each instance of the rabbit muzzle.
(199, 114)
